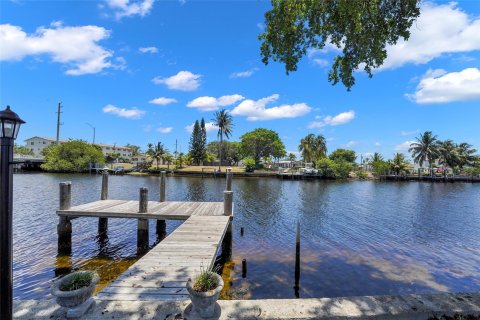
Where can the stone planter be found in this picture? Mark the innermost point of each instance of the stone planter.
(204, 304)
(77, 302)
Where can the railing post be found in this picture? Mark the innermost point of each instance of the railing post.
(103, 222)
(161, 224)
(229, 176)
(142, 225)
(64, 227)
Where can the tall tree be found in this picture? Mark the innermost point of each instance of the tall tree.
(360, 29)
(224, 121)
(204, 138)
(135, 149)
(398, 163)
(292, 158)
(197, 146)
(425, 149)
(313, 147)
(466, 154)
(157, 152)
(261, 143)
(343, 155)
(376, 157)
(447, 153)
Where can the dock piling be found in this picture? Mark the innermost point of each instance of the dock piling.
(142, 226)
(103, 222)
(161, 224)
(64, 227)
(244, 268)
(229, 176)
(227, 243)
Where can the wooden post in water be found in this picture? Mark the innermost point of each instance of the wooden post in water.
(103, 222)
(227, 243)
(297, 262)
(64, 227)
(142, 226)
(229, 176)
(161, 224)
(244, 268)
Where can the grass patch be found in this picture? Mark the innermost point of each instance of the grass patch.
(205, 281)
(77, 281)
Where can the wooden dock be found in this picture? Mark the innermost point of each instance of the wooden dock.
(162, 273)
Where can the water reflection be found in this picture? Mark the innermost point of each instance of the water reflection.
(357, 238)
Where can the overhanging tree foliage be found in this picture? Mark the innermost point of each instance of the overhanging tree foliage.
(360, 28)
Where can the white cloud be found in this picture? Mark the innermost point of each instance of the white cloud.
(127, 8)
(339, 119)
(164, 129)
(377, 144)
(184, 81)
(133, 113)
(76, 47)
(209, 126)
(162, 101)
(320, 62)
(409, 133)
(206, 103)
(440, 87)
(439, 29)
(256, 110)
(403, 147)
(243, 74)
(148, 50)
(261, 26)
(351, 144)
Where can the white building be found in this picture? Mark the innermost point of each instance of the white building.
(37, 144)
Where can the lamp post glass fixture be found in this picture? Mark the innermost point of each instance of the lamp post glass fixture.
(9, 126)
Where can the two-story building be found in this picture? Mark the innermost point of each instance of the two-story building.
(37, 144)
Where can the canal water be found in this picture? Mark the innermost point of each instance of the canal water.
(357, 238)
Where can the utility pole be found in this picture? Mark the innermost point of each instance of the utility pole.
(58, 121)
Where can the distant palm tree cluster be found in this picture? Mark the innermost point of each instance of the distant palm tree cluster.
(429, 149)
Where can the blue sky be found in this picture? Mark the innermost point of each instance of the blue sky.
(143, 71)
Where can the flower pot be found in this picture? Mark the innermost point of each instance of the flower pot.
(204, 303)
(77, 301)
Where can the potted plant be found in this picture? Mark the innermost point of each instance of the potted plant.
(204, 291)
(74, 291)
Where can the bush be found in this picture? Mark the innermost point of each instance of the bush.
(333, 169)
(361, 174)
(249, 164)
(71, 156)
(342, 169)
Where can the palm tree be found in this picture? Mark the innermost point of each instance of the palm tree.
(292, 158)
(168, 158)
(398, 163)
(447, 153)
(376, 157)
(425, 149)
(157, 152)
(466, 154)
(313, 147)
(224, 121)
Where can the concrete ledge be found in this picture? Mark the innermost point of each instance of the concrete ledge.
(409, 307)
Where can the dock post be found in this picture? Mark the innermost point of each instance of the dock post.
(64, 227)
(297, 262)
(161, 224)
(142, 226)
(229, 179)
(103, 222)
(227, 243)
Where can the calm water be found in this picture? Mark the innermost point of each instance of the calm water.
(357, 238)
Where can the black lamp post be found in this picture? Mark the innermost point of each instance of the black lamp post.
(9, 125)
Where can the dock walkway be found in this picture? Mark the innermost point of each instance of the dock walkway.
(163, 272)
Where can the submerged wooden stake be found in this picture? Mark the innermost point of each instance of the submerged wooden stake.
(161, 224)
(297, 262)
(244, 268)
